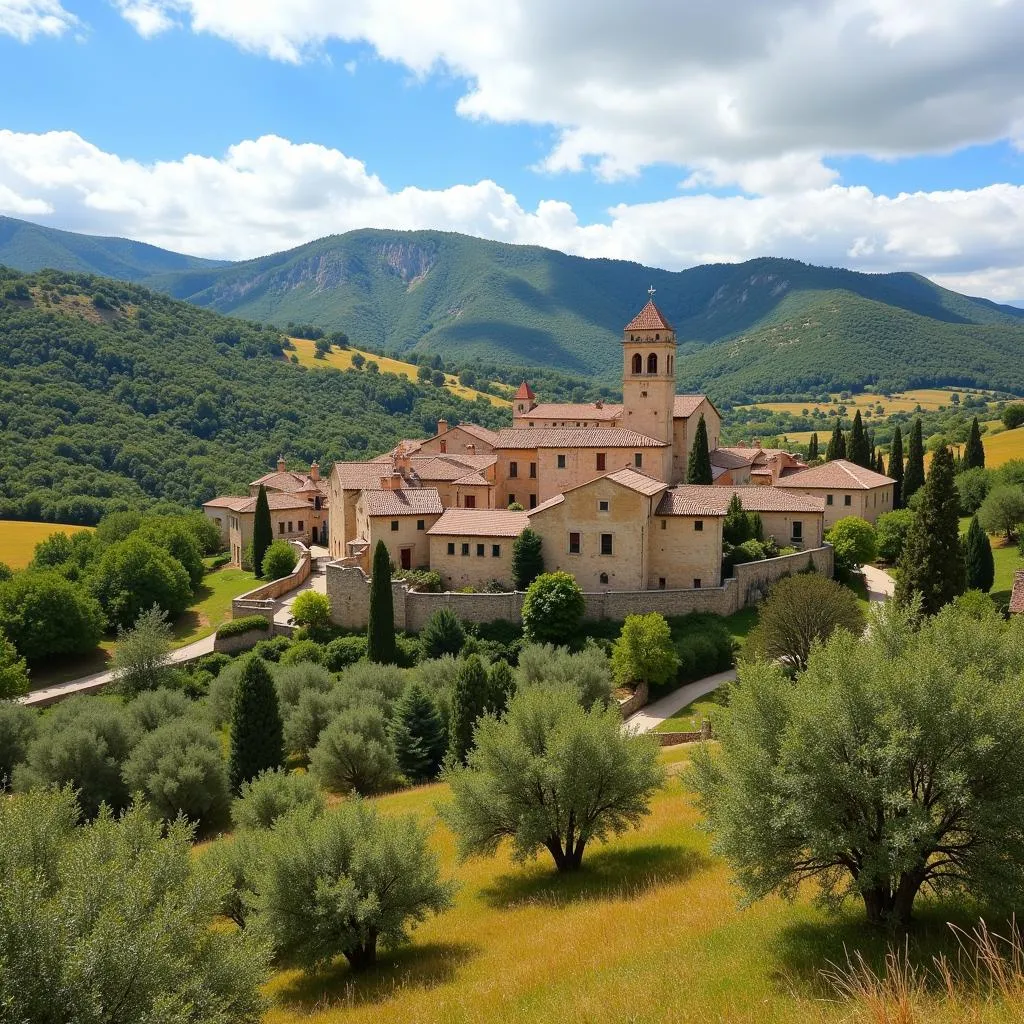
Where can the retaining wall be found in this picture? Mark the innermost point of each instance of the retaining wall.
(261, 600)
(241, 641)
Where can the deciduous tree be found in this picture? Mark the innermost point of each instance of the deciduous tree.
(552, 608)
(1002, 511)
(644, 651)
(13, 670)
(142, 657)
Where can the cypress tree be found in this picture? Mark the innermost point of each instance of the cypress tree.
(974, 451)
(981, 567)
(527, 559)
(812, 448)
(932, 563)
(896, 468)
(257, 734)
(698, 466)
(262, 532)
(418, 735)
(836, 444)
(380, 630)
(859, 452)
(880, 463)
(501, 685)
(913, 475)
(469, 702)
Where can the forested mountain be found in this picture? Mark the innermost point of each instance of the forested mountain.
(112, 396)
(761, 327)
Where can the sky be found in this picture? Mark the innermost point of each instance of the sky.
(877, 135)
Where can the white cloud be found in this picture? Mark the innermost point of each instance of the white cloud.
(147, 17)
(26, 19)
(268, 194)
(736, 91)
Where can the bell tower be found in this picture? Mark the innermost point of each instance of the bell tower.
(649, 373)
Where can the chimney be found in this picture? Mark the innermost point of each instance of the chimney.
(442, 426)
(599, 404)
(314, 471)
(391, 482)
(471, 449)
(280, 464)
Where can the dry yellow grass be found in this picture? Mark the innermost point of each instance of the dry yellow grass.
(1000, 448)
(906, 401)
(18, 540)
(341, 359)
(648, 932)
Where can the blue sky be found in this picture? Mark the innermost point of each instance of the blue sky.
(721, 131)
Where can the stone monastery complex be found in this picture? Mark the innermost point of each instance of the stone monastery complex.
(602, 484)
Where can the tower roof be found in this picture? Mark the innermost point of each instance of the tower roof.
(650, 318)
(524, 391)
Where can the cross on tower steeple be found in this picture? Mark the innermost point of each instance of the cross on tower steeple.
(651, 291)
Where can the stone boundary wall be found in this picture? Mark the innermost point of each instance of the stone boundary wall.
(241, 641)
(634, 703)
(261, 600)
(348, 587)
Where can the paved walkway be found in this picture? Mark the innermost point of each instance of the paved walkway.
(880, 584)
(283, 609)
(649, 718)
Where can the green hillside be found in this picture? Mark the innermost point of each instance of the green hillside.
(113, 396)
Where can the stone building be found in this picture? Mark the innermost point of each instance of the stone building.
(847, 490)
(473, 547)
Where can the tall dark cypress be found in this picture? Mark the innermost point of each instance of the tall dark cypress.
(469, 701)
(698, 466)
(913, 477)
(380, 630)
(896, 468)
(257, 734)
(812, 448)
(262, 531)
(859, 451)
(974, 451)
(880, 463)
(836, 444)
(981, 566)
(932, 563)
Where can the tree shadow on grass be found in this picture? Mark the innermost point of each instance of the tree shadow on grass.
(409, 967)
(605, 874)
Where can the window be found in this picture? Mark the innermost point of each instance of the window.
(574, 543)
(696, 583)
(302, 526)
(561, 462)
(828, 499)
(661, 582)
(480, 548)
(394, 526)
(444, 447)
(600, 461)
(698, 525)
(638, 459)
(511, 499)
(420, 524)
(638, 363)
(280, 527)
(606, 543)
(847, 500)
(652, 363)
(533, 501)
(664, 524)
(290, 530)
(465, 549)
(495, 551)
(513, 469)
(533, 470)
(451, 547)
(798, 530)
(318, 503)
(604, 577)
(469, 501)
(602, 506)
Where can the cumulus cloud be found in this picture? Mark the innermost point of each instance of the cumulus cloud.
(26, 19)
(268, 194)
(736, 91)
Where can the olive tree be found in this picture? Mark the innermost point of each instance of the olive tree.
(895, 763)
(550, 775)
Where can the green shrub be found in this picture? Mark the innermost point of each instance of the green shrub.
(18, 726)
(279, 561)
(222, 692)
(344, 651)
(272, 649)
(854, 543)
(312, 610)
(354, 753)
(303, 651)
(891, 531)
(442, 634)
(45, 615)
(587, 671)
(552, 608)
(704, 649)
(135, 574)
(213, 663)
(389, 681)
(644, 651)
(236, 627)
(154, 708)
(407, 650)
(748, 551)
(292, 680)
(274, 793)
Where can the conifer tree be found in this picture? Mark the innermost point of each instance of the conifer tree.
(501, 686)
(380, 630)
(257, 734)
(932, 563)
(974, 451)
(859, 451)
(262, 532)
(837, 444)
(418, 735)
(896, 468)
(527, 559)
(812, 448)
(469, 702)
(698, 466)
(880, 463)
(913, 475)
(981, 568)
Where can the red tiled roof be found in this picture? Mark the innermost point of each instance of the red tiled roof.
(573, 411)
(1017, 594)
(355, 476)
(581, 437)
(472, 480)
(635, 481)
(276, 500)
(408, 502)
(525, 392)
(700, 499)
(288, 481)
(840, 474)
(233, 502)
(550, 503)
(685, 406)
(732, 458)
(481, 433)
(480, 522)
(650, 318)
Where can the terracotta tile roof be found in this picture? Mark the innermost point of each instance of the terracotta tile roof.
(473, 480)
(840, 474)
(685, 406)
(408, 502)
(481, 433)
(288, 481)
(355, 476)
(650, 318)
(550, 503)
(1017, 594)
(582, 437)
(695, 499)
(730, 458)
(479, 461)
(480, 522)
(233, 502)
(573, 411)
(438, 468)
(525, 392)
(277, 501)
(635, 481)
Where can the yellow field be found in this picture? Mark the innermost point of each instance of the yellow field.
(341, 359)
(999, 448)
(18, 540)
(906, 401)
(648, 932)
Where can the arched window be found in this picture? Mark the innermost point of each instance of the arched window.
(638, 363)
(652, 363)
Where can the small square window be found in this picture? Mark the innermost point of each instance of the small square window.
(698, 525)
(561, 462)
(495, 551)
(696, 583)
(394, 526)
(602, 506)
(600, 461)
(420, 524)
(606, 543)
(469, 501)
(798, 530)
(847, 500)
(574, 543)
(828, 499)
(480, 549)
(638, 459)
(465, 549)
(451, 547)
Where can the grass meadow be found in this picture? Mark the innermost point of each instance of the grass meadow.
(649, 932)
(18, 539)
(341, 359)
(905, 401)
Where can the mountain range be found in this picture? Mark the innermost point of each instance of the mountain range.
(766, 326)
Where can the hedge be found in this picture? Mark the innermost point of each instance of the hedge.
(236, 627)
